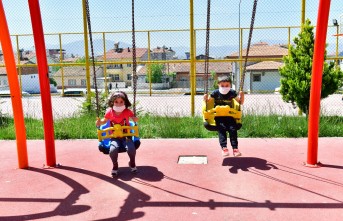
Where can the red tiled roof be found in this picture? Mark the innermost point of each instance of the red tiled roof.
(262, 49)
(218, 67)
(125, 54)
(265, 65)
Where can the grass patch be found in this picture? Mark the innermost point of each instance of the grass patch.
(83, 127)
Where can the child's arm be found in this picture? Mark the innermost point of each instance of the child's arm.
(240, 98)
(135, 119)
(100, 122)
(207, 98)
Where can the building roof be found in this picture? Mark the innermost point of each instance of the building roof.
(126, 53)
(71, 59)
(218, 67)
(264, 66)
(262, 49)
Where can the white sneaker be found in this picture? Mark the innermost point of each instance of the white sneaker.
(225, 152)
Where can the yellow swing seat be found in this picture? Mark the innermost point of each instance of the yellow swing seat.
(117, 131)
(209, 112)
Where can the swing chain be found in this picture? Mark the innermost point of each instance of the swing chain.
(134, 60)
(92, 57)
(248, 47)
(207, 49)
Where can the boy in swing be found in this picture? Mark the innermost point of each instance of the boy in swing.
(224, 96)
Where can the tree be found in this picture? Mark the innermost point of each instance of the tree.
(296, 73)
(156, 73)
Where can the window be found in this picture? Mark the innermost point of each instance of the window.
(83, 82)
(256, 78)
(71, 82)
(129, 77)
(128, 65)
(116, 77)
(5, 82)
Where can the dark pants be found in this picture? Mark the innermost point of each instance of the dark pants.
(119, 143)
(227, 124)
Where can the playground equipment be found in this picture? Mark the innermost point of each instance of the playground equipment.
(319, 49)
(234, 109)
(107, 131)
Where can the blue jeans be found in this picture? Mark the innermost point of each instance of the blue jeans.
(122, 143)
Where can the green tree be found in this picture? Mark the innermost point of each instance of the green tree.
(296, 73)
(215, 81)
(53, 81)
(156, 73)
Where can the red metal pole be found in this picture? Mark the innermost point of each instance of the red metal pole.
(44, 82)
(13, 82)
(316, 81)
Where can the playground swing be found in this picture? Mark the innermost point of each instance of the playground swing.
(234, 108)
(107, 131)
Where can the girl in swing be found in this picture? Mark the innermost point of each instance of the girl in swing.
(118, 113)
(224, 96)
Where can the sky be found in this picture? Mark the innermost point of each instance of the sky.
(115, 15)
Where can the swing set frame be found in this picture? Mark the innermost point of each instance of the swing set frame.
(5, 40)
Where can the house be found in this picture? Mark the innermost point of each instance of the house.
(260, 75)
(162, 53)
(182, 73)
(75, 77)
(122, 72)
(29, 78)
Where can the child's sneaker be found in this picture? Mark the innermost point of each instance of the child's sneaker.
(133, 167)
(225, 152)
(114, 171)
(236, 153)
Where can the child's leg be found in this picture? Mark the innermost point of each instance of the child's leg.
(114, 150)
(222, 138)
(220, 122)
(233, 136)
(131, 151)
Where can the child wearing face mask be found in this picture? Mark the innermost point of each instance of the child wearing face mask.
(118, 113)
(224, 96)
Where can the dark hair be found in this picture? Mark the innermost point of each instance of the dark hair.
(118, 94)
(224, 79)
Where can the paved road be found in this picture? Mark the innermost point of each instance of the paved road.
(173, 105)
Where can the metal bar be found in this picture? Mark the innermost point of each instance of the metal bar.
(105, 66)
(148, 66)
(316, 81)
(17, 105)
(18, 57)
(85, 36)
(44, 82)
(192, 55)
(62, 69)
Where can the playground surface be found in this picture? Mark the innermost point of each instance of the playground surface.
(269, 182)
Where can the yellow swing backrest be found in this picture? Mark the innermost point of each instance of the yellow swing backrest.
(117, 131)
(210, 112)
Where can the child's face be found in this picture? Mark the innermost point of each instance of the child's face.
(224, 84)
(119, 102)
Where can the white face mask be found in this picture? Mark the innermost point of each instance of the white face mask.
(119, 108)
(224, 90)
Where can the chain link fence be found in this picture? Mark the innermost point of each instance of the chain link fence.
(163, 29)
